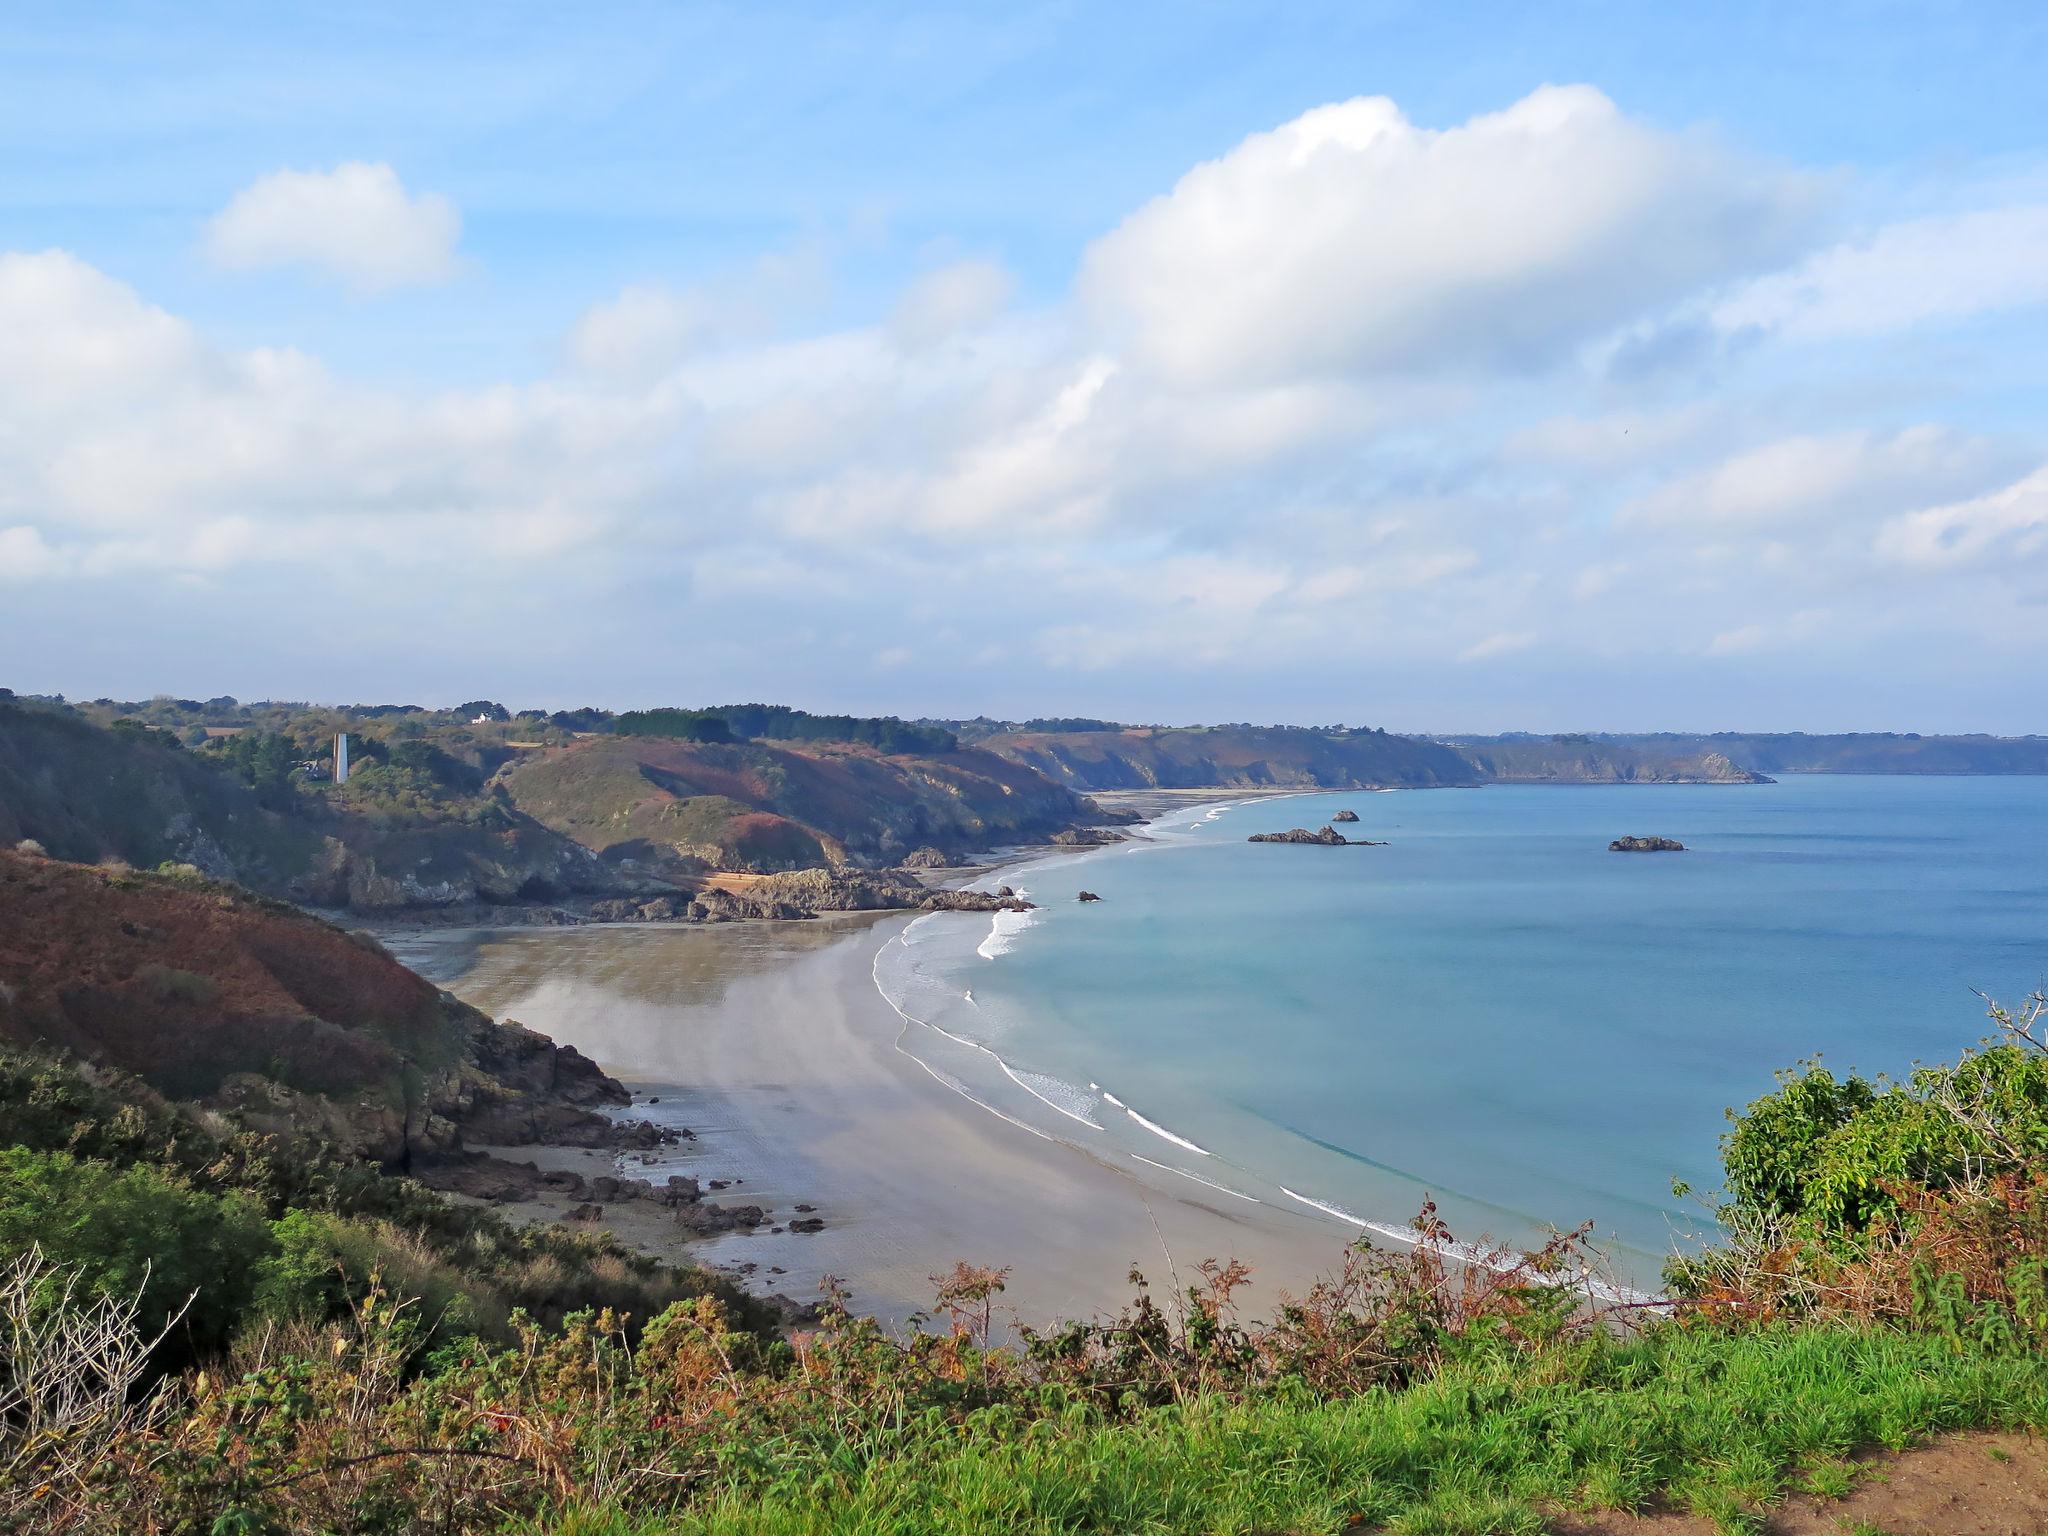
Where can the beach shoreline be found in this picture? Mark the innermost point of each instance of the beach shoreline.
(773, 1044)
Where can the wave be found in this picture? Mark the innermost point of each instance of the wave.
(1003, 931)
(1053, 1085)
(1210, 1183)
(1159, 1130)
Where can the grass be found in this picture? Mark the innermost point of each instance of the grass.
(1715, 1423)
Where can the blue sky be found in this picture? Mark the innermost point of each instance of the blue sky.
(1442, 366)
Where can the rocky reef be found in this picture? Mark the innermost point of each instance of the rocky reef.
(800, 894)
(1328, 837)
(1646, 845)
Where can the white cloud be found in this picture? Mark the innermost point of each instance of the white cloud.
(1349, 240)
(1596, 579)
(1737, 642)
(641, 332)
(1504, 643)
(1903, 275)
(2005, 527)
(355, 223)
(941, 304)
(137, 444)
(1860, 474)
(25, 557)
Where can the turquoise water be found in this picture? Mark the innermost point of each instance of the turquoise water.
(1492, 1009)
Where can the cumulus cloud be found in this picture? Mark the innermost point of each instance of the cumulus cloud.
(1906, 274)
(138, 444)
(2008, 526)
(1339, 399)
(963, 296)
(1350, 240)
(355, 223)
(1816, 476)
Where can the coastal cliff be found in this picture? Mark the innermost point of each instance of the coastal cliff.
(1233, 757)
(214, 996)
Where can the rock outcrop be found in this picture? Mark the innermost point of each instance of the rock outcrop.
(800, 894)
(1328, 837)
(1646, 845)
(1345, 816)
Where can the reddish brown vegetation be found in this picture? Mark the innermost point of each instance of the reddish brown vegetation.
(1961, 1260)
(183, 983)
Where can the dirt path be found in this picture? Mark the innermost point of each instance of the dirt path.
(1965, 1485)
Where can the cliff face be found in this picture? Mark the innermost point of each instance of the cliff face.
(1597, 760)
(217, 997)
(1234, 757)
(688, 806)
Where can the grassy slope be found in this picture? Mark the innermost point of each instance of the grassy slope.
(771, 806)
(1719, 1423)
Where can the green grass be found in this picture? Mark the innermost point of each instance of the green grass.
(1719, 1424)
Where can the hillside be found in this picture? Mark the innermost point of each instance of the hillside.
(1232, 756)
(209, 994)
(1598, 760)
(87, 794)
(684, 806)
(1859, 752)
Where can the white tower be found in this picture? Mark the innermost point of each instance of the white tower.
(341, 758)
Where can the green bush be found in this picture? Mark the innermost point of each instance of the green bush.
(135, 1231)
(324, 1264)
(1822, 1156)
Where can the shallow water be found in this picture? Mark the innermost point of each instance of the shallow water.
(1493, 1009)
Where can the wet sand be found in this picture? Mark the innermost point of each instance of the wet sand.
(771, 1043)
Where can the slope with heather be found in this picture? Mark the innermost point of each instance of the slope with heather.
(211, 995)
(759, 806)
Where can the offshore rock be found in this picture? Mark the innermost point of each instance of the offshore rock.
(1646, 845)
(1329, 837)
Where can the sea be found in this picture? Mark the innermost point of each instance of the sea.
(1493, 1011)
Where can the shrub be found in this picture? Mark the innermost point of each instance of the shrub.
(135, 1232)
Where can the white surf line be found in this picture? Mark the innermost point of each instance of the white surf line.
(1465, 1253)
(1048, 1103)
(1210, 1183)
(1159, 1130)
(874, 975)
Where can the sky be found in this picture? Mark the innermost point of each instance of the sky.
(1436, 366)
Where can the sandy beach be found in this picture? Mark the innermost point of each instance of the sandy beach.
(771, 1043)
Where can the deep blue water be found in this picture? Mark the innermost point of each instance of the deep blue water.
(1493, 1008)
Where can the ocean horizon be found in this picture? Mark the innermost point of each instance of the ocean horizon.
(1492, 1011)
